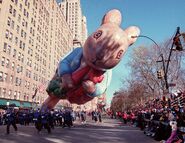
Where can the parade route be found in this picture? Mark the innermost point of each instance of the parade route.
(110, 131)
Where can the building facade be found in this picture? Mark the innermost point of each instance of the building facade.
(84, 29)
(77, 22)
(34, 35)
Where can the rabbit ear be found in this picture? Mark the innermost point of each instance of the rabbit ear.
(132, 33)
(113, 16)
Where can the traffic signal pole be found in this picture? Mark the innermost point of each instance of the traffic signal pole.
(168, 61)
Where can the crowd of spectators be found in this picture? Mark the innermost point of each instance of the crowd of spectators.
(162, 119)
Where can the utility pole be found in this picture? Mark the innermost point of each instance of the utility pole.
(168, 61)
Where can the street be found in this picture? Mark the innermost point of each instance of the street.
(109, 131)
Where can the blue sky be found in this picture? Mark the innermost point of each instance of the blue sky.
(157, 19)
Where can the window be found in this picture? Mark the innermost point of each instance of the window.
(7, 63)
(19, 56)
(22, 32)
(22, 58)
(27, 14)
(11, 9)
(3, 92)
(18, 95)
(3, 61)
(5, 47)
(10, 36)
(16, 81)
(28, 5)
(9, 93)
(23, 46)
(24, 12)
(11, 79)
(7, 33)
(24, 35)
(15, 94)
(24, 96)
(16, 1)
(14, 13)
(1, 76)
(26, 2)
(19, 18)
(9, 49)
(20, 45)
(9, 21)
(18, 29)
(26, 24)
(16, 40)
(13, 65)
(12, 25)
(14, 52)
(30, 29)
(5, 76)
(19, 68)
(20, 7)
(23, 21)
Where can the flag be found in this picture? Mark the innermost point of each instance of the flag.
(33, 96)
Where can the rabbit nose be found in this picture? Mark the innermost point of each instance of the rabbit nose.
(100, 56)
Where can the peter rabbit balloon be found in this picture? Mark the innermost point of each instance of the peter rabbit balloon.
(85, 73)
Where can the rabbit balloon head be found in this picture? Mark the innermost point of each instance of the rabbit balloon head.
(104, 48)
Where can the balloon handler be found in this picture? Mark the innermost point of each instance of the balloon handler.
(85, 73)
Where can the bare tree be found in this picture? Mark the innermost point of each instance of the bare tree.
(144, 83)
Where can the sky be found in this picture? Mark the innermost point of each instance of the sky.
(157, 19)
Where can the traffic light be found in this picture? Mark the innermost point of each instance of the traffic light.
(160, 74)
(183, 36)
(177, 43)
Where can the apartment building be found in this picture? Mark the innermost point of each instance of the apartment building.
(34, 35)
(77, 22)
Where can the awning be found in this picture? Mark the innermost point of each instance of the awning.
(14, 102)
(3, 102)
(26, 104)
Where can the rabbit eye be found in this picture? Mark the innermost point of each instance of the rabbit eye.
(119, 54)
(97, 34)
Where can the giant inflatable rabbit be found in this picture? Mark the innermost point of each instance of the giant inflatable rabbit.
(85, 73)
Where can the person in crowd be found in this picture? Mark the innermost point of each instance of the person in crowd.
(60, 117)
(51, 119)
(20, 118)
(133, 117)
(67, 119)
(37, 119)
(92, 114)
(125, 117)
(99, 116)
(10, 117)
(73, 115)
(56, 117)
(1, 117)
(175, 136)
(44, 122)
(95, 116)
(83, 116)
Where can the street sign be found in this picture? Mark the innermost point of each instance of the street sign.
(171, 84)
